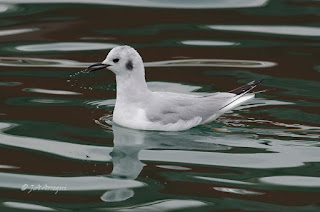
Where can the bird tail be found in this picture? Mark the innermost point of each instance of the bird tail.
(242, 95)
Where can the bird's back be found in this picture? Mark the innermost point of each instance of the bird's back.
(169, 108)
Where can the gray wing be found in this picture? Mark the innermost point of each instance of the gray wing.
(166, 107)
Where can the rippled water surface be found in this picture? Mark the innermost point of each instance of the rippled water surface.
(61, 151)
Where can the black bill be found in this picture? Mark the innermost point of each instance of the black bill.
(96, 66)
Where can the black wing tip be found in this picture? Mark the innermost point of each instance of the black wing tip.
(246, 87)
(255, 82)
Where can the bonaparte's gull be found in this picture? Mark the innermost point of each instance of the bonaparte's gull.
(139, 108)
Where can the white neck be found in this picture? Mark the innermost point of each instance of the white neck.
(131, 87)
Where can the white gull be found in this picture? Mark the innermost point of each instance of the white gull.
(139, 108)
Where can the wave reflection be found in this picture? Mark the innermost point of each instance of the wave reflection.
(65, 46)
(200, 4)
(41, 62)
(16, 31)
(296, 181)
(208, 43)
(237, 191)
(280, 30)
(212, 63)
(47, 91)
(5, 8)
(27, 206)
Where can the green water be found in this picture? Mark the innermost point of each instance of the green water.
(61, 151)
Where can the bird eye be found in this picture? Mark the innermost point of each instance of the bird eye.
(115, 60)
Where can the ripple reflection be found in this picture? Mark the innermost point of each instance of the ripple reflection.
(200, 4)
(47, 91)
(212, 63)
(208, 43)
(237, 191)
(27, 206)
(5, 8)
(40, 62)
(296, 181)
(65, 46)
(281, 30)
(16, 31)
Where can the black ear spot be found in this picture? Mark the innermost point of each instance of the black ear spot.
(129, 65)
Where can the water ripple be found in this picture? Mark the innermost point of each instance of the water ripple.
(65, 46)
(117, 195)
(82, 183)
(47, 91)
(223, 180)
(16, 31)
(300, 181)
(163, 205)
(208, 43)
(8, 167)
(200, 4)
(171, 167)
(27, 206)
(62, 149)
(237, 191)
(280, 30)
(212, 63)
(105, 122)
(5, 8)
(10, 83)
(41, 62)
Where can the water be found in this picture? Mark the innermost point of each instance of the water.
(61, 151)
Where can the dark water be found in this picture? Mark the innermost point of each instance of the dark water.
(60, 151)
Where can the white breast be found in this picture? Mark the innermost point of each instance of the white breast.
(130, 116)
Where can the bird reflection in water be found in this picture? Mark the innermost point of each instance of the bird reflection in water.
(129, 143)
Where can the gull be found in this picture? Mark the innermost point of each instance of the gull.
(139, 108)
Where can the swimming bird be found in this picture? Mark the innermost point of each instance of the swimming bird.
(139, 108)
